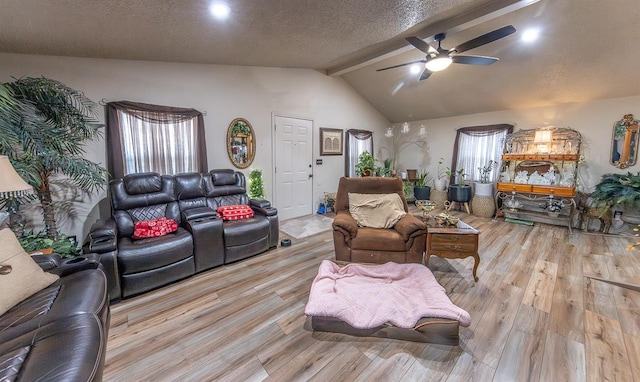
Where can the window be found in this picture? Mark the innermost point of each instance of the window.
(476, 146)
(151, 138)
(358, 141)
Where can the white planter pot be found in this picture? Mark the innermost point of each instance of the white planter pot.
(440, 184)
(484, 189)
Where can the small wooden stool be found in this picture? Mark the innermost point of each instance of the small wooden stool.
(450, 204)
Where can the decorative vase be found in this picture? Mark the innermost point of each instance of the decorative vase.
(484, 189)
(422, 193)
(460, 194)
(553, 214)
(412, 174)
(630, 214)
(440, 184)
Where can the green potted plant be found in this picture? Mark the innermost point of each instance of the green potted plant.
(459, 192)
(421, 190)
(619, 191)
(256, 186)
(386, 168)
(484, 187)
(366, 164)
(407, 187)
(61, 244)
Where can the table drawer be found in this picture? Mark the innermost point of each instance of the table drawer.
(452, 242)
(517, 187)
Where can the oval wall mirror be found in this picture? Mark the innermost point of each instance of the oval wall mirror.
(624, 142)
(241, 143)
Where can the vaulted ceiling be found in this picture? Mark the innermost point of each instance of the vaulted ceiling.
(587, 49)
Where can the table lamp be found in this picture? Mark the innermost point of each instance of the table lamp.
(542, 138)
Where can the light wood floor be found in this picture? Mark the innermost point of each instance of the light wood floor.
(540, 312)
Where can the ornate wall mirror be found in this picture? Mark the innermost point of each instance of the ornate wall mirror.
(241, 143)
(624, 145)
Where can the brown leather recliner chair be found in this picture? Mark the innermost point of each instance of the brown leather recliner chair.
(404, 243)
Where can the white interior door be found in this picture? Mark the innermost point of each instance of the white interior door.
(293, 151)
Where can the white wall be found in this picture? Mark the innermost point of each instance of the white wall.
(594, 120)
(224, 92)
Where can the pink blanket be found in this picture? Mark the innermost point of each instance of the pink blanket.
(367, 296)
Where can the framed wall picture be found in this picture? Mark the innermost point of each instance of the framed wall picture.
(330, 141)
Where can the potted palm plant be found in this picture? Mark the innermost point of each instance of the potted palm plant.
(421, 190)
(46, 143)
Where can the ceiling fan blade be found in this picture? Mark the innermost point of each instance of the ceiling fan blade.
(425, 74)
(421, 44)
(401, 65)
(474, 60)
(485, 39)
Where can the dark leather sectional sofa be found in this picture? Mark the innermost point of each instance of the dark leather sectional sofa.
(73, 311)
(202, 241)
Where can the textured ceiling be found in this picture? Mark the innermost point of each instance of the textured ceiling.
(588, 48)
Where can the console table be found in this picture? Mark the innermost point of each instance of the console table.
(454, 242)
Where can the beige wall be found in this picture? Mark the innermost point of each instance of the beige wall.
(594, 120)
(224, 92)
(256, 93)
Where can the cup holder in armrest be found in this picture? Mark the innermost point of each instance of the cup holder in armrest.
(79, 263)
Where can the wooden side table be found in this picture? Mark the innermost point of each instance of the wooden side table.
(456, 242)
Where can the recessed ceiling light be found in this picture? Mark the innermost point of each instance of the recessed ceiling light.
(416, 68)
(530, 35)
(220, 10)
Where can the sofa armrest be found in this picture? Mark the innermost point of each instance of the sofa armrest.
(408, 225)
(262, 207)
(55, 264)
(208, 241)
(102, 238)
(47, 262)
(198, 213)
(345, 223)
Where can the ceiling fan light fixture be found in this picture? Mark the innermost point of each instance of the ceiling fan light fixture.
(220, 10)
(438, 64)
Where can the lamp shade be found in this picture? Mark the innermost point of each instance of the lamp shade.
(542, 136)
(11, 184)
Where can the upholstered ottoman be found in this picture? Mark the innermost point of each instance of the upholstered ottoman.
(399, 301)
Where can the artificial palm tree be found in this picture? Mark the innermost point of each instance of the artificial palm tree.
(47, 125)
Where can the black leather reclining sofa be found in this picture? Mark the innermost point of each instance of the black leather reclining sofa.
(202, 241)
(59, 333)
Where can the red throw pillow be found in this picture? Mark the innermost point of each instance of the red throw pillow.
(235, 212)
(154, 228)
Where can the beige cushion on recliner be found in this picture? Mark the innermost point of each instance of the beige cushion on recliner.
(20, 276)
(376, 210)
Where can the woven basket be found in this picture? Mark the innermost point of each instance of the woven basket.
(483, 206)
(438, 197)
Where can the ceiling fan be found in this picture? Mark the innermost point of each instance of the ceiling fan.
(440, 59)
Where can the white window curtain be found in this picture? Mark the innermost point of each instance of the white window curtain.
(476, 146)
(152, 138)
(164, 147)
(357, 141)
